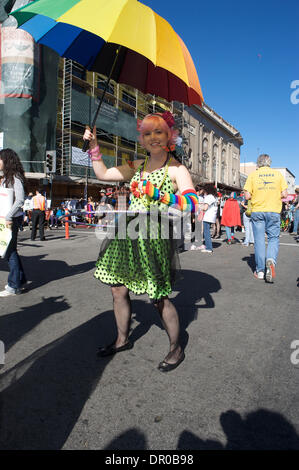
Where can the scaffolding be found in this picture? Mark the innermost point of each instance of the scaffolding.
(64, 121)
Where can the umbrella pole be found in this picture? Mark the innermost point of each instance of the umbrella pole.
(86, 143)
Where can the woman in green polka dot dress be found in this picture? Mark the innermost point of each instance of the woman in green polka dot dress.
(145, 264)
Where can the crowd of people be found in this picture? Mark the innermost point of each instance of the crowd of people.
(232, 213)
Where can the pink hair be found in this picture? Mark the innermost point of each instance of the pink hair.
(153, 121)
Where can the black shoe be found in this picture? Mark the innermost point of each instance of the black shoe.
(43, 239)
(111, 349)
(166, 367)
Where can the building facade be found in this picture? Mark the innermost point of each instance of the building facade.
(214, 147)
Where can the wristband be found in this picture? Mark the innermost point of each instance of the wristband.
(96, 159)
(94, 154)
(94, 151)
(187, 201)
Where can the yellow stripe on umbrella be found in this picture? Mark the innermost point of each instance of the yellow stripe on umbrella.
(65, 25)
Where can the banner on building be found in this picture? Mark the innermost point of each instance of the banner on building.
(19, 64)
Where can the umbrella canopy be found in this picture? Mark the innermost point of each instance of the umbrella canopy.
(153, 58)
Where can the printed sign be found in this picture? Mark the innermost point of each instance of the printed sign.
(6, 201)
(5, 237)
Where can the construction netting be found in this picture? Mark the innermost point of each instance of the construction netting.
(28, 92)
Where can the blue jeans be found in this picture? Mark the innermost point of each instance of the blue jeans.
(16, 277)
(269, 223)
(248, 230)
(296, 221)
(207, 235)
(229, 232)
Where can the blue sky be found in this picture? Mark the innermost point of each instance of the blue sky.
(247, 56)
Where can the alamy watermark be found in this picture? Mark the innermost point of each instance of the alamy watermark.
(152, 224)
(295, 354)
(295, 94)
(2, 354)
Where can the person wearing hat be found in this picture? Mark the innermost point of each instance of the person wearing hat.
(265, 187)
(103, 196)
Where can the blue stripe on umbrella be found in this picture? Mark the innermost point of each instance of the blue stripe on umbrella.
(38, 25)
(69, 41)
(85, 48)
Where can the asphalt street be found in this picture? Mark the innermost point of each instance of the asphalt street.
(236, 389)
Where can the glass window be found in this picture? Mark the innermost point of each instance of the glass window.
(129, 99)
(127, 143)
(223, 168)
(204, 145)
(101, 85)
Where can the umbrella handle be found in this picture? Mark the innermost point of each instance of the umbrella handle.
(86, 142)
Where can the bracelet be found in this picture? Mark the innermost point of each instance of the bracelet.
(96, 159)
(94, 151)
(94, 154)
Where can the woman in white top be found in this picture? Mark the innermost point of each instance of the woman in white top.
(210, 207)
(13, 177)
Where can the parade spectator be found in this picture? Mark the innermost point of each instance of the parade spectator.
(122, 198)
(72, 205)
(216, 229)
(90, 209)
(296, 214)
(265, 187)
(14, 178)
(197, 222)
(210, 208)
(38, 214)
(60, 214)
(249, 239)
(103, 197)
(53, 218)
(231, 217)
(81, 204)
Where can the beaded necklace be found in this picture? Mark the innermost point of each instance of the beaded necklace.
(145, 199)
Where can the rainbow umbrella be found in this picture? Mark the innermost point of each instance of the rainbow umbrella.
(152, 57)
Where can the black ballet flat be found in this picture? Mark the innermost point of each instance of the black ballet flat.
(111, 349)
(166, 367)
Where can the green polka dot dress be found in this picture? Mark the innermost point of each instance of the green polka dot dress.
(142, 264)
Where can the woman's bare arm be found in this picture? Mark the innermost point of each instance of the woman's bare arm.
(116, 173)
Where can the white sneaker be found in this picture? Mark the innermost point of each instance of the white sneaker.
(259, 275)
(202, 247)
(6, 293)
(193, 247)
(22, 289)
(206, 251)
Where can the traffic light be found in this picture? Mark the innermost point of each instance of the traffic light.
(51, 161)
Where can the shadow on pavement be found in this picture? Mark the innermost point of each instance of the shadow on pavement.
(193, 287)
(131, 439)
(41, 271)
(259, 430)
(15, 325)
(250, 260)
(42, 397)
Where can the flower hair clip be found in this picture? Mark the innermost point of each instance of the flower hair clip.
(169, 148)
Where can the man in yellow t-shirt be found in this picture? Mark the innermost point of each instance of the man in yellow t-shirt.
(265, 187)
